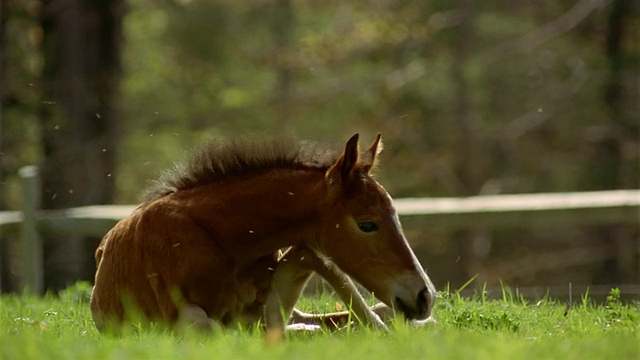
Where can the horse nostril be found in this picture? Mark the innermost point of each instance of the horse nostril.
(424, 302)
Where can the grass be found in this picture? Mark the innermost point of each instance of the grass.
(60, 327)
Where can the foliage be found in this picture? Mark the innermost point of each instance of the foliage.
(60, 327)
(534, 79)
(386, 67)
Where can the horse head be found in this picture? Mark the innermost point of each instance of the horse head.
(361, 234)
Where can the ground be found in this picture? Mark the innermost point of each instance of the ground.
(509, 327)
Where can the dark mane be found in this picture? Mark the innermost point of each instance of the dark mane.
(216, 161)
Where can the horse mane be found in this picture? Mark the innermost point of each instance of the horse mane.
(223, 160)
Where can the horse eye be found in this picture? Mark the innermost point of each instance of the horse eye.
(368, 226)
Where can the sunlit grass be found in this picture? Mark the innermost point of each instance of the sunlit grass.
(60, 327)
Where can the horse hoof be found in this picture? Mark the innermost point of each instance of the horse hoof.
(303, 327)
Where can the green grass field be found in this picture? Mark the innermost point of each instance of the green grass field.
(60, 327)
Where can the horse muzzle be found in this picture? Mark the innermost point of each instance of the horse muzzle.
(418, 307)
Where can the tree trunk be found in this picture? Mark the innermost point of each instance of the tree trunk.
(81, 49)
(4, 270)
(613, 159)
(80, 82)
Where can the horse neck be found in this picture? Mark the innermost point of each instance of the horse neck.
(255, 216)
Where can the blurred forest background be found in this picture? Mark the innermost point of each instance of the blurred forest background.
(472, 97)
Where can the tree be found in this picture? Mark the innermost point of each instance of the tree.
(79, 115)
(19, 98)
(81, 49)
(613, 154)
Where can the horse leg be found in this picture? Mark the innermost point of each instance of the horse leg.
(339, 319)
(293, 271)
(289, 279)
(346, 289)
(176, 309)
(192, 315)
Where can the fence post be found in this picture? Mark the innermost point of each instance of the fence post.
(32, 276)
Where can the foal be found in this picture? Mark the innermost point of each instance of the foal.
(207, 244)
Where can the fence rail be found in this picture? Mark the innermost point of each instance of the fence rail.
(597, 207)
(529, 210)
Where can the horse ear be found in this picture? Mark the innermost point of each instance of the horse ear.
(340, 172)
(371, 160)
